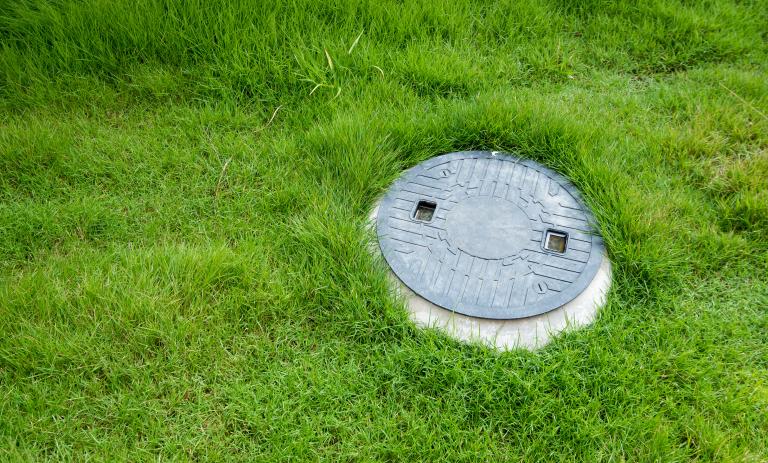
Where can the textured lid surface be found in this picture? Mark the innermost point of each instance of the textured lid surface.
(489, 235)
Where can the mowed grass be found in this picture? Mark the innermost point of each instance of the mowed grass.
(184, 265)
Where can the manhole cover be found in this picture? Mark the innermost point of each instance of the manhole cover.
(489, 235)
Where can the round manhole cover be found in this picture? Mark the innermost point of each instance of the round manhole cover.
(489, 235)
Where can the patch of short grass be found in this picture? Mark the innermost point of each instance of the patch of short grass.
(184, 265)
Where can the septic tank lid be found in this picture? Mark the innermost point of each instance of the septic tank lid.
(488, 234)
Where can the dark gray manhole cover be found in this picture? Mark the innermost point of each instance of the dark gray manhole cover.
(489, 235)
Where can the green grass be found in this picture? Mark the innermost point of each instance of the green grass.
(183, 195)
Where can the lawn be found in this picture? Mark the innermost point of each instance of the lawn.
(184, 265)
